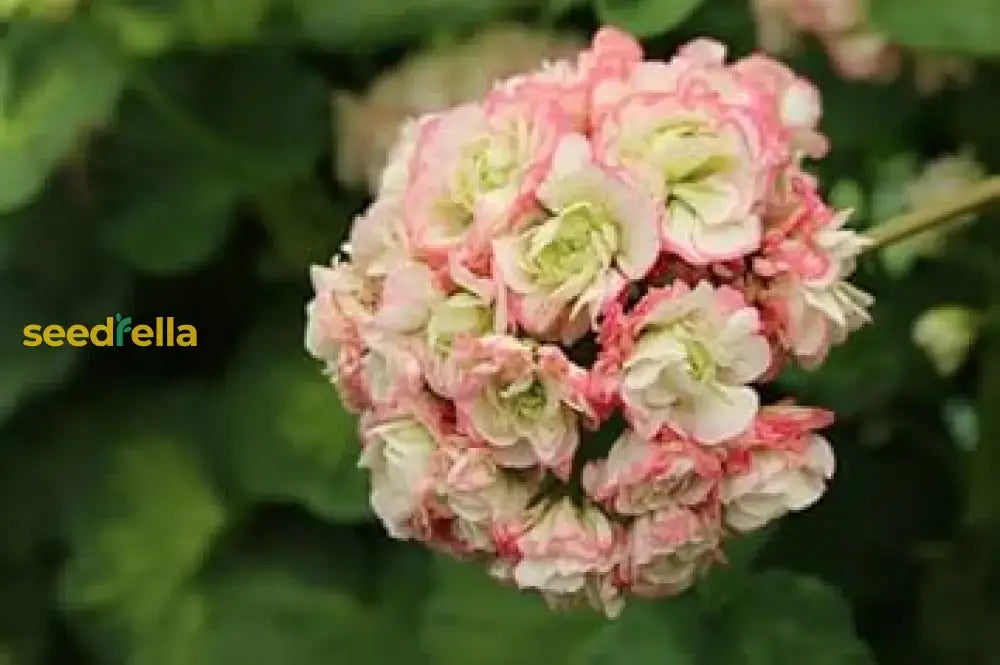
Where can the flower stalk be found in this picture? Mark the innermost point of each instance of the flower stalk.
(934, 216)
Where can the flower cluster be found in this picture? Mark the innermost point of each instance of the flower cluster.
(554, 316)
(858, 50)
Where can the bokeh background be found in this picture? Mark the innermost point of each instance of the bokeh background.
(191, 158)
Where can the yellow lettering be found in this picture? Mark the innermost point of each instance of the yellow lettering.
(141, 335)
(77, 335)
(187, 335)
(54, 335)
(31, 335)
(109, 334)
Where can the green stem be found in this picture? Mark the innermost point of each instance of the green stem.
(939, 215)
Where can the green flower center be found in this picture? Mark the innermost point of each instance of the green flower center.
(461, 313)
(492, 163)
(489, 163)
(584, 240)
(524, 400)
(689, 152)
(701, 366)
(699, 361)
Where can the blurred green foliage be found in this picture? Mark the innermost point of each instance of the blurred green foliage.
(203, 506)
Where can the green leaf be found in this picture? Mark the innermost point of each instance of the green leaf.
(959, 26)
(225, 21)
(143, 533)
(289, 590)
(783, 618)
(200, 134)
(470, 619)
(56, 83)
(728, 579)
(262, 611)
(175, 222)
(285, 433)
(645, 18)
(46, 10)
(262, 617)
(174, 638)
(364, 26)
(139, 28)
(669, 631)
(149, 28)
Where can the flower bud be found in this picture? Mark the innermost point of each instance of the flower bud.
(946, 333)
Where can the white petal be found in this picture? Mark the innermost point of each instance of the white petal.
(407, 298)
(753, 356)
(714, 201)
(802, 490)
(820, 456)
(572, 154)
(741, 520)
(639, 219)
(723, 412)
(727, 241)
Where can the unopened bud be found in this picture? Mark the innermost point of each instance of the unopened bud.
(946, 333)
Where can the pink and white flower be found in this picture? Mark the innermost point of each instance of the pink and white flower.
(796, 101)
(598, 233)
(641, 476)
(669, 548)
(567, 552)
(810, 259)
(399, 456)
(457, 321)
(474, 172)
(783, 466)
(344, 302)
(612, 56)
(378, 239)
(694, 353)
(481, 494)
(698, 159)
(460, 316)
(521, 405)
(390, 369)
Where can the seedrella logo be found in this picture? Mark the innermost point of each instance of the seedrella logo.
(115, 331)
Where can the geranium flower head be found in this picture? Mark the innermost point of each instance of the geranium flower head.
(608, 247)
